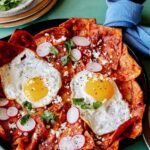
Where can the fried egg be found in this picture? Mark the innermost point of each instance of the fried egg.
(29, 78)
(93, 87)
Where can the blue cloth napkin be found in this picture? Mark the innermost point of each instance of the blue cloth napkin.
(127, 14)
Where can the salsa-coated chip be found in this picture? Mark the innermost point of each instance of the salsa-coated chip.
(8, 51)
(23, 38)
(128, 68)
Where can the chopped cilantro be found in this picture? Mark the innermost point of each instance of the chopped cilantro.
(86, 106)
(96, 105)
(83, 105)
(48, 116)
(69, 45)
(78, 101)
(53, 50)
(27, 105)
(65, 60)
(24, 119)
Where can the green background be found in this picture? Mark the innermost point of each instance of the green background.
(90, 9)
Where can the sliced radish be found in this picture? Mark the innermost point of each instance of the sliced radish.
(3, 114)
(93, 67)
(73, 115)
(78, 141)
(75, 54)
(12, 111)
(43, 49)
(28, 126)
(66, 143)
(81, 41)
(3, 102)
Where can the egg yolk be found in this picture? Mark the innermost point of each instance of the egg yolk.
(99, 89)
(35, 89)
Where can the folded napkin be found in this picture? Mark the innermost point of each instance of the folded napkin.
(127, 14)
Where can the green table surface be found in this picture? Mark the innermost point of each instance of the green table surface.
(89, 9)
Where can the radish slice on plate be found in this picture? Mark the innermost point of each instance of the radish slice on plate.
(75, 55)
(12, 111)
(78, 141)
(73, 115)
(3, 102)
(28, 126)
(43, 49)
(81, 41)
(3, 114)
(93, 67)
(66, 143)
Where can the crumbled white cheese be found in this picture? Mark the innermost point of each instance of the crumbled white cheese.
(63, 38)
(48, 126)
(57, 100)
(53, 131)
(90, 75)
(12, 126)
(99, 42)
(105, 53)
(32, 111)
(75, 65)
(63, 126)
(44, 144)
(109, 73)
(68, 99)
(113, 78)
(110, 61)
(96, 54)
(35, 136)
(93, 45)
(58, 133)
(65, 49)
(67, 86)
(25, 133)
(104, 62)
(46, 34)
(60, 130)
(22, 113)
(66, 73)
(19, 133)
(11, 131)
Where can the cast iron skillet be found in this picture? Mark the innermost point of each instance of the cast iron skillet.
(142, 79)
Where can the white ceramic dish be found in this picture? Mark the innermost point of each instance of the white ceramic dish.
(19, 17)
(24, 4)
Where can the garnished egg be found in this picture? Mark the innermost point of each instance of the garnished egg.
(29, 78)
(96, 88)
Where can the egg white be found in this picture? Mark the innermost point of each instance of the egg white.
(110, 115)
(26, 66)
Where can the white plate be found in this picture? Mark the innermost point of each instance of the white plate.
(24, 4)
(32, 6)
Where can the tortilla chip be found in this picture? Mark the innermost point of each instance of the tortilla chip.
(132, 92)
(49, 35)
(128, 68)
(115, 144)
(109, 44)
(106, 40)
(2, 133)
(122, 128)
(78, 26)
(23, 38)
(8, 52)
